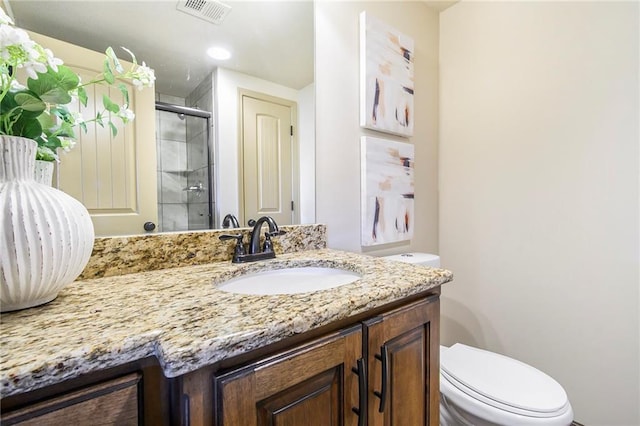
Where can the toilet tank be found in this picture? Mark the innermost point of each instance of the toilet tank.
(423, 259)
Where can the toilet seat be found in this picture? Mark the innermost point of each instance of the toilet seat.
(501, 389)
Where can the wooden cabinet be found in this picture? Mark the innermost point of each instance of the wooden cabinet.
(114, 402)
(313, 384)
(318, 383)
(403, 363)
(135, 393)
(376, 368)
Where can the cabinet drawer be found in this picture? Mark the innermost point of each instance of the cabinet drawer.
(114, 402)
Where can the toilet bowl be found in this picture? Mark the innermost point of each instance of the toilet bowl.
(482, 388)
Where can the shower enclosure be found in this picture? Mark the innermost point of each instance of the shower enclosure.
(185, 162)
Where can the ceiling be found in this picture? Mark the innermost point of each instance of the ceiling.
(272, 40)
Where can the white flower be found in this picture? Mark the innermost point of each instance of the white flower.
(77, 118)
(11, 42)
(12, 36)
(16, 86)
(33, 67)
(33, 51)
(143, 77)
(67, 144)
(7, 38)
(52, 60)
(126, 114)
(19, 50)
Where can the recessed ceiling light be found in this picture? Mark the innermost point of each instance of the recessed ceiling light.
(218, 53)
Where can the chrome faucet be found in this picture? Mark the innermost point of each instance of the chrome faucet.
(253, 252)
(230, 221)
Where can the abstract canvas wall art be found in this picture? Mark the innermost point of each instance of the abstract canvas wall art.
(387, 190)
(386, 77)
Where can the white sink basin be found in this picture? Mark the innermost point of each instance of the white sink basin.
(289, 281)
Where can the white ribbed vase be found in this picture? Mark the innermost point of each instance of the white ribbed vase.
(44, 172)
(46, 236)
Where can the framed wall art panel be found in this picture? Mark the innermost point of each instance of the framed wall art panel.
(387, 191)
(386, 77)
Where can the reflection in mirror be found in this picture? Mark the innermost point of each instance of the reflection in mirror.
(185, 168)
(271, 43)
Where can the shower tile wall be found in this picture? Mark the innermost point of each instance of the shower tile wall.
(198, 157)
(173, 213)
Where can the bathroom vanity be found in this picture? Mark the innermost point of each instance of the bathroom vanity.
(167, 347)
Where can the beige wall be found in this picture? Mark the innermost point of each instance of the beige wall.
(539, 151)
(337, 120)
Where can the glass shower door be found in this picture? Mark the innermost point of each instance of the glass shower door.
(199, 203)
(184, 178)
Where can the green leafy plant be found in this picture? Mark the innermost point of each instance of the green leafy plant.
(38, 108)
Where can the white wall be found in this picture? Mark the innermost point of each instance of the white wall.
(307, 153)
(227, 83)
(539, 192)
(337, 119)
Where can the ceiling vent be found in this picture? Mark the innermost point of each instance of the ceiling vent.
(209, 10)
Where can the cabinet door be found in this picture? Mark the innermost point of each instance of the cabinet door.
(403, 364)
(114, 402)
(313, 384)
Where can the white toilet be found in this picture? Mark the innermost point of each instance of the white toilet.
(482, 388)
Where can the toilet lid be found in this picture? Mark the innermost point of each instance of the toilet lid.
(502, 382)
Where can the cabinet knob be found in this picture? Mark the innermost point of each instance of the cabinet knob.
(149, 226)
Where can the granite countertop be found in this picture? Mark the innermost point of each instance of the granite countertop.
(179, 316)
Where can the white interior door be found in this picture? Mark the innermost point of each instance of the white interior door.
(114, 177)
(267, 167)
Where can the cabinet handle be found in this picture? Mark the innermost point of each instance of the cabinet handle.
(186, 408)
(384, 358)
(361, 372)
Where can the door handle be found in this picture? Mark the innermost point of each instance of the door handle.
(383, 357)
(186, 410)
(361, 411)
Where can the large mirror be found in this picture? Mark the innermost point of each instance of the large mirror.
(271, 45)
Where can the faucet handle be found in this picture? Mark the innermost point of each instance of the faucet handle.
(239, 250)
(268, 245)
